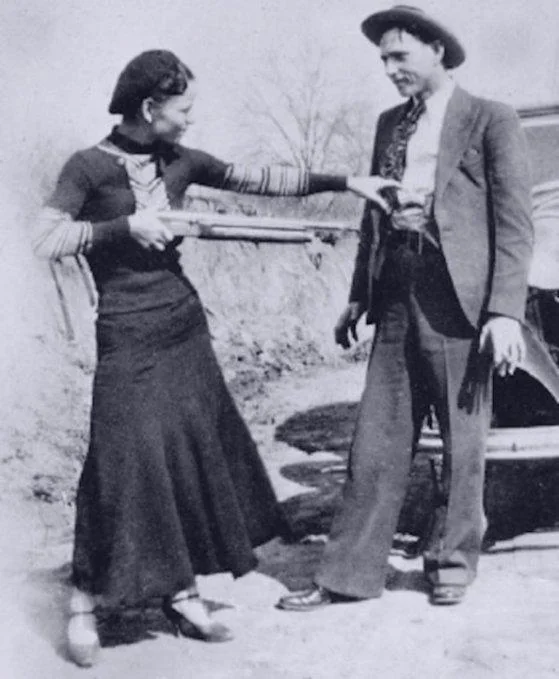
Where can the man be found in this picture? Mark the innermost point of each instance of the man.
(444, 277)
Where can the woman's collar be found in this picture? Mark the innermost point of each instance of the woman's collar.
(130, 145)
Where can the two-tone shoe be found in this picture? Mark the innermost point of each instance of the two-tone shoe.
(447, 595)
(311, 599)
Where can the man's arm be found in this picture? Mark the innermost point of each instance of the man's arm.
(512, 236)
(360, 280)
(510, 203)
(359, 289)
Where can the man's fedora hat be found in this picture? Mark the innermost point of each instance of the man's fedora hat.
(404, 16)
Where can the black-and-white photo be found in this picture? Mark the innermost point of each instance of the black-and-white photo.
(279, 369)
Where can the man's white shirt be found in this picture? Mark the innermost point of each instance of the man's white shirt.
(423, 146)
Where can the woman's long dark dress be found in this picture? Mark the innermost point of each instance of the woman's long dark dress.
(172, 485)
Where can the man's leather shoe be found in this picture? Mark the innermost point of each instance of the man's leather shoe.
(447, 595)
(308, 599)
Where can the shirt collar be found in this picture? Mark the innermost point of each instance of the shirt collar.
(438, 101)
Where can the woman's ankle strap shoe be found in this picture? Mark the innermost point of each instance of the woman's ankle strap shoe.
(82, 638)
(214, 632)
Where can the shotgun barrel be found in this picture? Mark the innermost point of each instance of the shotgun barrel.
(208, 225)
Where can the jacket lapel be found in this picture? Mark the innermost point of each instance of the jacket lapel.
(457, 126)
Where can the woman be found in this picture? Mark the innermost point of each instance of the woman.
(172, 485)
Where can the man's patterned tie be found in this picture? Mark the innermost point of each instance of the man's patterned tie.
(393, 161)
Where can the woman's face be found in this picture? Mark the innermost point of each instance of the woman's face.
(171, 118)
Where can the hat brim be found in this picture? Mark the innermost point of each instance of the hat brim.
(375, 26)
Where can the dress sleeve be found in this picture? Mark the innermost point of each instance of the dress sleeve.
(58, 231)
(267, 180)
(279, 180)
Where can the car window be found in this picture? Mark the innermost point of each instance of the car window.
(542, 130)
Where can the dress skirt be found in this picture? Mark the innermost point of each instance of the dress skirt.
(172, 485)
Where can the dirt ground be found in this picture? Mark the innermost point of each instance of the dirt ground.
(507, 627)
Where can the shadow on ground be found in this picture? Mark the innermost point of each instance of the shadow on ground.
(519, 496)
(294, 565)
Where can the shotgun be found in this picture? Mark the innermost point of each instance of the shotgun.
(214, 226)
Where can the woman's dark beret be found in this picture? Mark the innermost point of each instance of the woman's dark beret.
(141, 77)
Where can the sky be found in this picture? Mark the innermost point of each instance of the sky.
(61, 60)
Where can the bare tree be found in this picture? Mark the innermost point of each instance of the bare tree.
(300, 111)
(299, 114)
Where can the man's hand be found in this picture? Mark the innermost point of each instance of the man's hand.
(347, 323)
(502, 336)
(408, 219)
(148, 230)
(370, 188)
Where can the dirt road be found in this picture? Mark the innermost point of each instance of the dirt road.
(507, 627)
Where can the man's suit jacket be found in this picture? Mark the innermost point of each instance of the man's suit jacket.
(482, 209)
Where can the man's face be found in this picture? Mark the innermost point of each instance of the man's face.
(412, 65)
